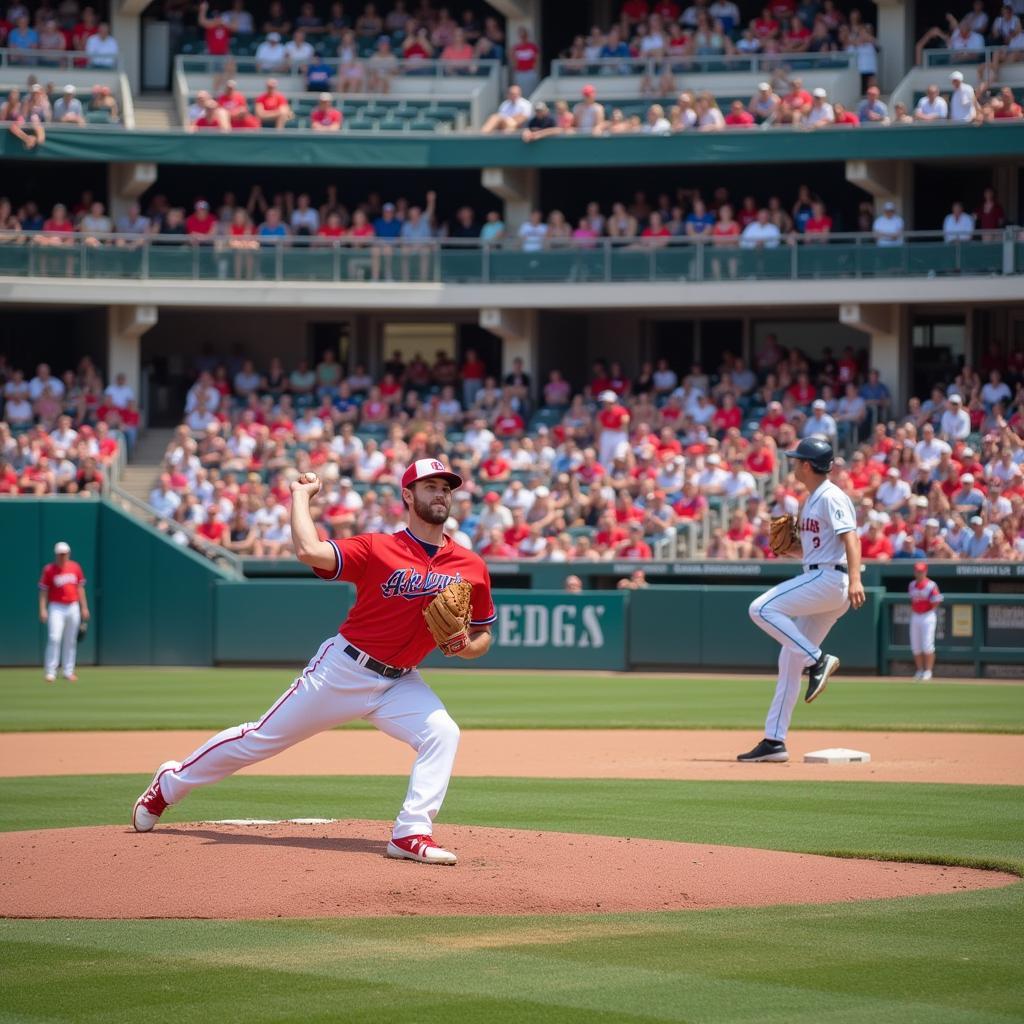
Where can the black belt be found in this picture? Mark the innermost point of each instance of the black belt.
(388, 671)
(840, 568)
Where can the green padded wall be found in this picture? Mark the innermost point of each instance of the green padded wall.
(276, 620)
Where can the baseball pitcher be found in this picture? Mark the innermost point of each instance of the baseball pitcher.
(415, 590)
(800, 612)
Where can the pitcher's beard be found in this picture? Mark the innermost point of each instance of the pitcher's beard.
(430, 512)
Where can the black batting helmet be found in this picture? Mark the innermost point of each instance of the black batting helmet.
(815, 450)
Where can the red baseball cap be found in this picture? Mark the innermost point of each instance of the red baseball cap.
(421, 469)
(589, 90)
(920, 567)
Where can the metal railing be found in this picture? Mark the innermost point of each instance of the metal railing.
(70, 60)
(767, 63)
(221, 556)
(436, 68)
(946, 58)
(922, 254)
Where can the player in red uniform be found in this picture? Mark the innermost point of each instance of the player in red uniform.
(62, 609)
(925, 597)
(369, 668)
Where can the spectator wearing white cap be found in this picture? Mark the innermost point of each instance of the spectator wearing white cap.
(68, 108)
(457, 534)
(712, 479)
(893, 493)
(955, 424)
(271, 55)
(963, 104)
(967, 499)
(977, 543)
(931, 106)
(930, 449)
(888, 227)
(62, 609)
(821, 112)
(820, 423)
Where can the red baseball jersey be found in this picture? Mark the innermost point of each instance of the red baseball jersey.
(61, 583)
(924, 596)
(395, 578)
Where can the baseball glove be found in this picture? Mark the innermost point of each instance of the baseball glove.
(783, 534)
(448, 618)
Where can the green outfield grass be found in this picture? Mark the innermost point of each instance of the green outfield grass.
(937, 960)
(177, 698)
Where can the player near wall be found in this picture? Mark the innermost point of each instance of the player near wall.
(925, 597)
(64, 610)
(799, 612)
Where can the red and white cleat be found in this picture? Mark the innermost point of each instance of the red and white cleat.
(148, 808)
(72, 678)
(420, 848)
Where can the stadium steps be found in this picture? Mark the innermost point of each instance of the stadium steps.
(139, 476)
(155, 112)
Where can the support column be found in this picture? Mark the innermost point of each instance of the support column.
(888, 326)
(1004, 181)
(125, 183)
(519, 187)
(887, 181)
(519, 14)
(517, 329)
(126, 28)
(895, 33)
(125, 327)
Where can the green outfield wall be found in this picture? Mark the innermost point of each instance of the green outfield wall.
(155, 603)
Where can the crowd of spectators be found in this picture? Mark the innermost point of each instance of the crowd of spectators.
(38, 37)
(615, 470)
(61, 434)
(27, 114)
(396, 234)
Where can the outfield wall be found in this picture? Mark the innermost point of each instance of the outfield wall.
(155, 603)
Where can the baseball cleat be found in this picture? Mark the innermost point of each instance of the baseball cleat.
(148, 808)
(925, 675)
(766, 750)
(71, 678)
(818, 676)
(420, 848)
(50, 677)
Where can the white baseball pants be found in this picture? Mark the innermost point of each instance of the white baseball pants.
(332, 690)
(62, 622)
(922, 632)
(799, 614)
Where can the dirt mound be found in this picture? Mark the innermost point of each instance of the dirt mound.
(338, 869)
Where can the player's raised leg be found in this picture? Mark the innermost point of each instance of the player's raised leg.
(308, 706)
(411, 712)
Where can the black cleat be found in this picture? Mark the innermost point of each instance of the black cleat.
(766, 750)
(818, 676)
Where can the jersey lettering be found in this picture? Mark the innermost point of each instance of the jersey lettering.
(410, 584)
(811, 526)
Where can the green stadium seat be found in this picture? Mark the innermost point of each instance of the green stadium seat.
(390, 123)
(423, 124)
(97, 117)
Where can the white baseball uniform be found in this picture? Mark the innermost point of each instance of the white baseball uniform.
(925, 597)
(62, 584)
(800, 612)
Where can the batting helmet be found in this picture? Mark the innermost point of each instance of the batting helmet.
(815, 450)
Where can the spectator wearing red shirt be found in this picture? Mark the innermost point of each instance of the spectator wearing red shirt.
(495, 467)
(87, 27)
(634, 546)
(325, 117)
(272, 107)
(635, 11)
(796, 37)
(727, 415)
(656, 233)
(796, 103)
(875, 544)
(201, 223)
(739, 116)
(497, 547)
(525, 60)
(990, 215)
(765, 27)
(692, 504)
(819, 225)
(218, 32)
(519, 530)
(609, 534)
(802, 391)
(233, 100)
(508, 423)
(844, 117)
(214, 530)
(773, 419)
(760, 459)
(331, 228)
(473, 371)
(613, 426)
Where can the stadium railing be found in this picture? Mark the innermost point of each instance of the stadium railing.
(65, 59)
(762, 64)
(945, 58)
(457, 261)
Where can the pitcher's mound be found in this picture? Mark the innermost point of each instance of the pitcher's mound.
(338, 869)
